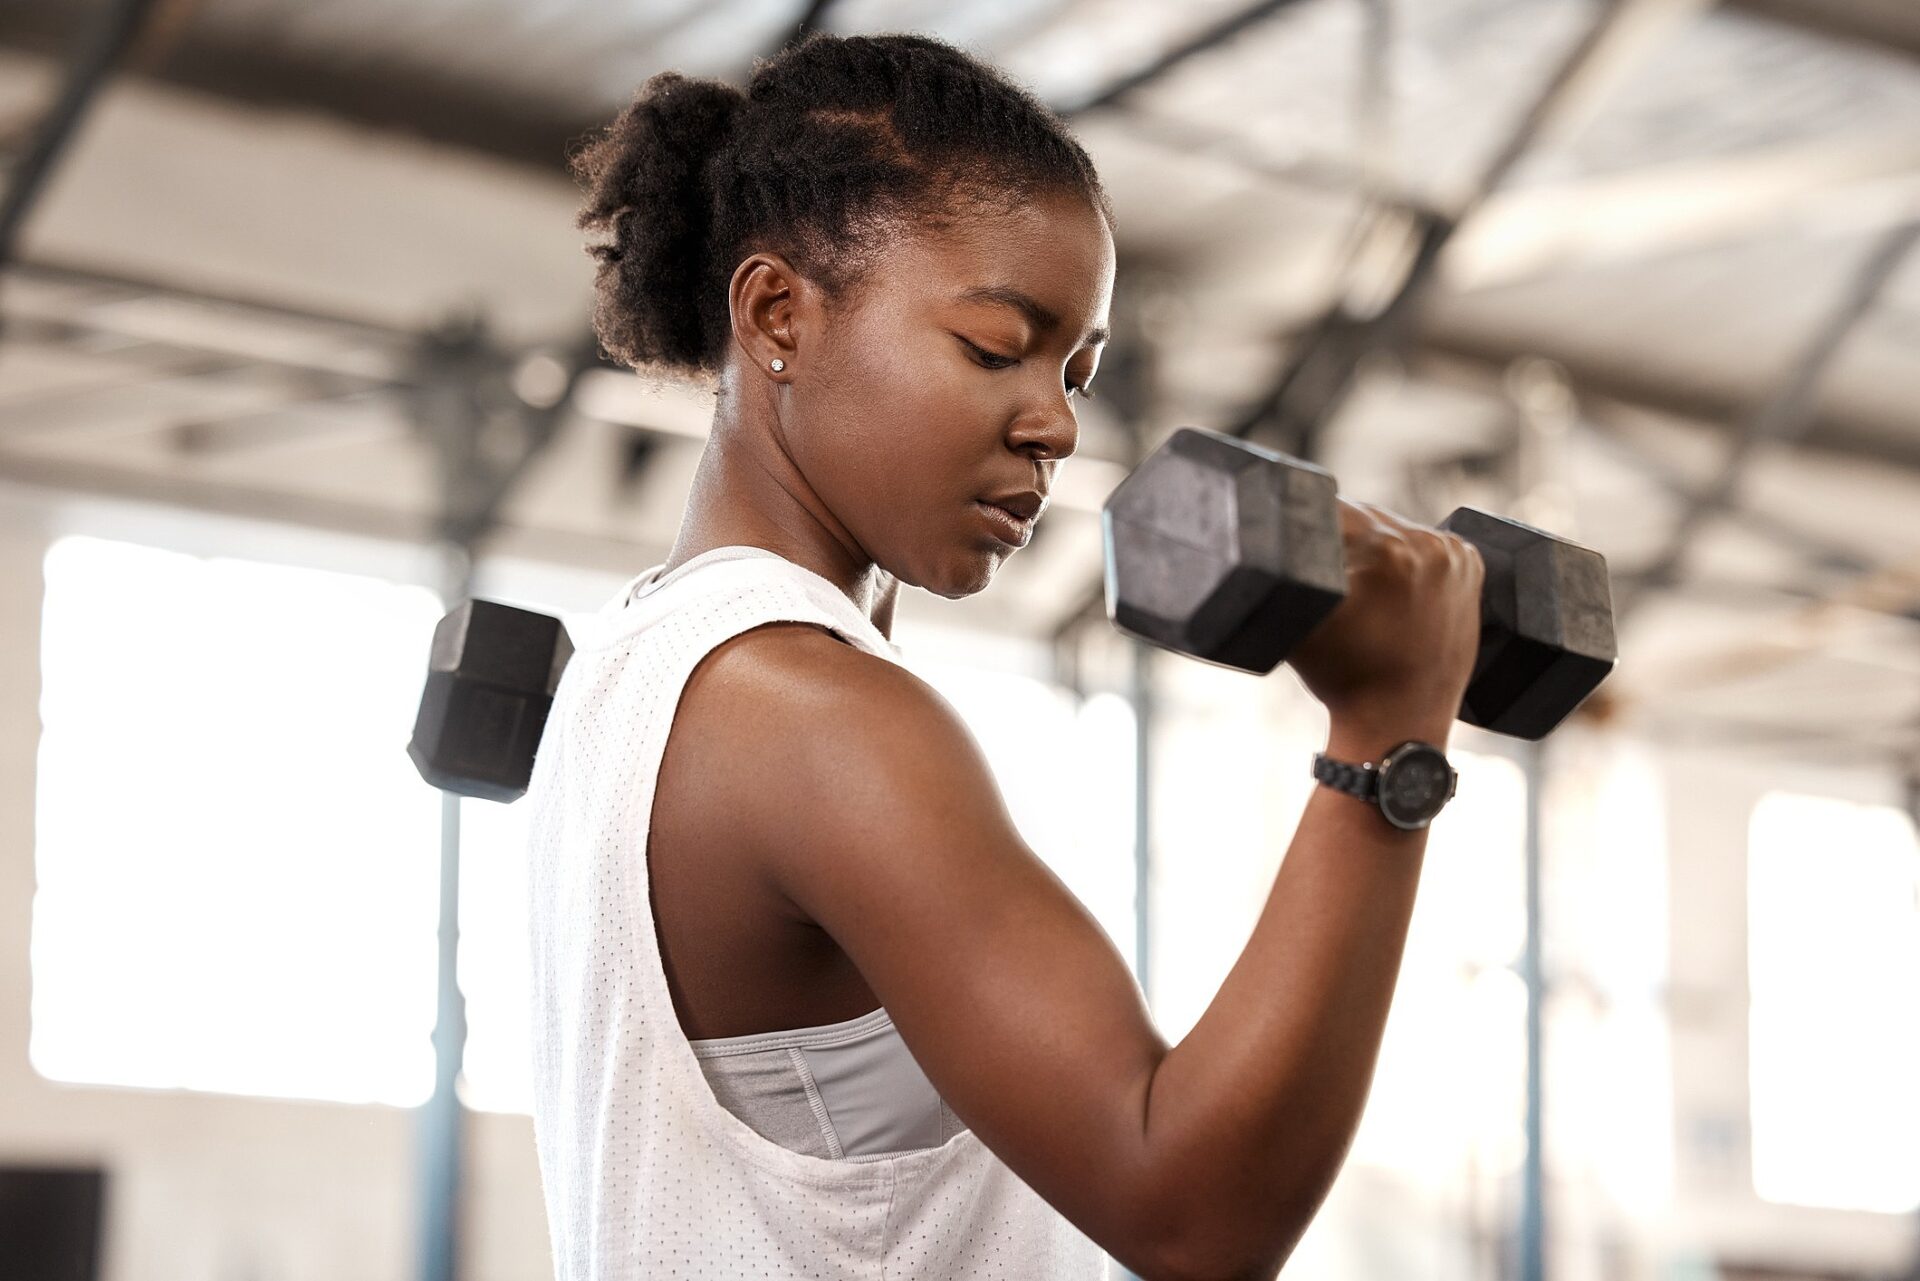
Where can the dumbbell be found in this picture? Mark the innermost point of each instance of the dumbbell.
(491, 677)
(1231, 554)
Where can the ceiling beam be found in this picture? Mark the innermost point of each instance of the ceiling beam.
(400, 98)
(1889, 26)
(1649, 213)
(1810, 545)
(1788, 413)
(206, 390)
(1202, 41)
(1634, 388)
(108, 287)
(366, 520)
(114, 30)
(1393, 270)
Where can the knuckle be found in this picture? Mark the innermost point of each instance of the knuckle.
(1399, 554)
(1431, 546)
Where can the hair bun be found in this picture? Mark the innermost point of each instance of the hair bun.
(837, 146)
(653, 159)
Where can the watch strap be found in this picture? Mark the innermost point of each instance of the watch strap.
(1361, 780)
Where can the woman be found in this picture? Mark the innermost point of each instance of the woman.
(807, 1006)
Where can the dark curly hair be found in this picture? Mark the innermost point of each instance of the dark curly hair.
(836, 144)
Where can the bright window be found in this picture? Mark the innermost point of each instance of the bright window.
(236, 862)
(497, 1071)
(1833, 939)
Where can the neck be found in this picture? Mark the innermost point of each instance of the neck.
(748, 493)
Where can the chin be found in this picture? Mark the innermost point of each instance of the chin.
(965, 576)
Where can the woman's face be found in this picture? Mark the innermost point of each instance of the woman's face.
(949, 383)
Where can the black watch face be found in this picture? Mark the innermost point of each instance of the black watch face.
(1413, 787)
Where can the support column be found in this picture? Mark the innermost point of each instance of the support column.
(442, 1119)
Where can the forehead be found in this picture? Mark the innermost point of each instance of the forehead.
(1056, 251)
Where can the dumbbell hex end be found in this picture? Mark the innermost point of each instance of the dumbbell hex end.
(1546, 626)
(490, 684)
(1222, 550)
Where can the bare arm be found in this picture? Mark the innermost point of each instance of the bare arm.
(872, 809)
(1251, 1115)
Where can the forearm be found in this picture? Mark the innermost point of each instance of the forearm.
(1250, 1116)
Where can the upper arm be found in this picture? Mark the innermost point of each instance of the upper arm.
(868, 804)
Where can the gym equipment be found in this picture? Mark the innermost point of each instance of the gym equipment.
(1223, 551)
(490, 683)
(1231, 554)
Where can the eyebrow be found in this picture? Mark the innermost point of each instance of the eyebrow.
(1042, 316)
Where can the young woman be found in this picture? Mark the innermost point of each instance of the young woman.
(806, 1005)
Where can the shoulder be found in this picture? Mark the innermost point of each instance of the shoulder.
(787, 712)
(781, 673)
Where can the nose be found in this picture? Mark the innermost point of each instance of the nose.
(1047, 435)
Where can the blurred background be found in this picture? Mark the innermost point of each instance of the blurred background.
(293, 346)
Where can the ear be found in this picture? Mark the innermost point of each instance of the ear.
(764, 299)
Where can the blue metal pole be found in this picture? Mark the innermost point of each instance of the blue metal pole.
(1533, 1182)
(442, 1121)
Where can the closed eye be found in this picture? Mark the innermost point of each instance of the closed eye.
(992, 361)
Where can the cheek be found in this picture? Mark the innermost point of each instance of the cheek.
(957, 412)
(905, 435)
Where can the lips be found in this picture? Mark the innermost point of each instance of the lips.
(1007, 527)
(1023, 505)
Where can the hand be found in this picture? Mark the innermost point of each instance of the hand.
(1401, 646)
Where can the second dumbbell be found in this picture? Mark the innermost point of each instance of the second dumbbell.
(1231, 554)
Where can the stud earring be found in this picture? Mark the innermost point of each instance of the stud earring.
(778, 365)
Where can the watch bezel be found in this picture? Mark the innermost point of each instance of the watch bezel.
(1384, 781)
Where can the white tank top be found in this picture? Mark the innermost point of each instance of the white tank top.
(645, 1172)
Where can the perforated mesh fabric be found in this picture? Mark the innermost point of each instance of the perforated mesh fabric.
(645, 1173)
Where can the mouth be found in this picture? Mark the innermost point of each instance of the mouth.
(1010, 527)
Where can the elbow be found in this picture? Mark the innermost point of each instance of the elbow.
(1212, 1259)
(1200, 1214)
(1207, 1243)
(1193, 1245)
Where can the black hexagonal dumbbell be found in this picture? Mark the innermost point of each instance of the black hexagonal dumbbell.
(1231, 554)
(490, 684)
(1223, 551)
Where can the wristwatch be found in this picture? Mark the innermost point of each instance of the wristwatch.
(1410, 784)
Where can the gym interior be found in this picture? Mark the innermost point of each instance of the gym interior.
(295, 356)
